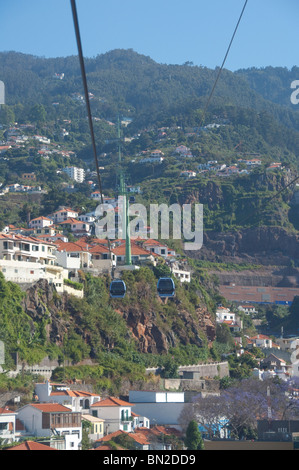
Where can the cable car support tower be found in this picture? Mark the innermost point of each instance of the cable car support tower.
(125, 203)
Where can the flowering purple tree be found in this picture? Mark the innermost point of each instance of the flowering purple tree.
(240, 406)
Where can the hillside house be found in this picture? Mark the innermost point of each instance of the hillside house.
(261, 341)
(95, 426)
(188, 174)
(50, 420)
(103, 259)
(277, 365)
(73, 255)
(40, 222)
(154, 246)
(76, 400)
(115, 412)
(77, 227)
(181, 274)
(183, 151)
(225, 316)
(7, 426)
(138, 255)
(63, 213)
(157, 156)
(247, 309)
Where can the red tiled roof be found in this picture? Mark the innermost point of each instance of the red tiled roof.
(110, 436)
(108, 447)
(71, 246)
(70, 220)
(135, 250)
(112, 401)
(16, 237)
(99, 249)
(30, 445)
(5, 410)
(73, 393)
(50, 407)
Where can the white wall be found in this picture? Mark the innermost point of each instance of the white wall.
(166, 414)
(155, 397)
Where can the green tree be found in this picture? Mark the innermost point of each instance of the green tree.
(193, 439)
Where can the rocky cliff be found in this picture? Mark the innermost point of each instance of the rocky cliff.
(268, 246)
(155, 328)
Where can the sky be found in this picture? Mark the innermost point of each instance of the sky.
(168, 31)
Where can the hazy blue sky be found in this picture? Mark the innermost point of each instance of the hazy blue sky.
(169, 31)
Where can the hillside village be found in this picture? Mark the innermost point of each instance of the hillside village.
(179, 162)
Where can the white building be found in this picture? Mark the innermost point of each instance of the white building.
(161, 408)
(73, 256)
(75, 173)
(40, 222)
(76, 400)
(184, 151)
(42, 139)
(188, 174)
(157, 156)
(224, 314)
(248, 309)
(25, 260)
(7, 426)
(51, 420)
(181, 275)
(14, 247)
(154, 246)
(115, 412)
(63, 213)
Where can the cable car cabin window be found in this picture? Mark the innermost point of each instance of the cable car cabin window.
(166, 287)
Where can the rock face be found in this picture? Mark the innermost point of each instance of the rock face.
(153, 331)
(262, 245)
(43, 304)
(155, 335)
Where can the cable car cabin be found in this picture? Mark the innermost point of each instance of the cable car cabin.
(117, 289)
(166, 287)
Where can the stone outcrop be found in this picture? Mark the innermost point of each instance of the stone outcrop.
(154, 332)
(268, 246)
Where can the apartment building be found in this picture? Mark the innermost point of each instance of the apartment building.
(14, 247)
(75, 173)
(25, 260)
